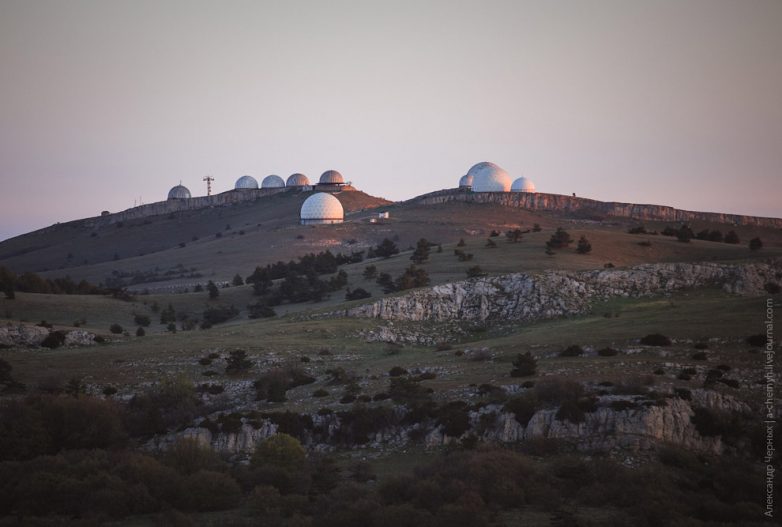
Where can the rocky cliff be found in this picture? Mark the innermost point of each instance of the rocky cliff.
(550, 294)
(638, 427)
(590, 208)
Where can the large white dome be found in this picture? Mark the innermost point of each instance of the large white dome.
(321, 208)
(272, 182)
(332, 177)
(523, 184)
(297, 180)
(465, 181)
(488, 177)
(246, 182)
(179, 192)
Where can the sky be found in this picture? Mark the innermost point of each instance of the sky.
(108, 103)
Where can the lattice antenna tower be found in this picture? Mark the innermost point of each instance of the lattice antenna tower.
(209, 180)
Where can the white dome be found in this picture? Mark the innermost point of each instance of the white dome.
(272, 182)
(523, 184)
(321, 208)
(179, 192)
(332, 177)
(246, 182)
(297, 180)
(488, 177)
(465, 181)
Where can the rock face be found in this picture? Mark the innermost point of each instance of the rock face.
(590, 208)
(550, 294)
(606, 429)
(642, 427)
(24, 336)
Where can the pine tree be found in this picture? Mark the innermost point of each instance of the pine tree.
(583, 247)
(421, 253)
(214, 292)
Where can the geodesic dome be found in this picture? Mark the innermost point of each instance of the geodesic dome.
(297, 180)
(246, 182)
(179, 192)
(332, 177)
(488, 177)
(272, 182)
(321, 208)
(523, 184)
(465, 181)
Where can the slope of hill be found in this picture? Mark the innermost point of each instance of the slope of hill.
(180, 249)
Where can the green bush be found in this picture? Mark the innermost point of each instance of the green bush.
(524, 365)
(656, 339)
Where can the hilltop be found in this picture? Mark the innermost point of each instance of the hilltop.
(184, 242)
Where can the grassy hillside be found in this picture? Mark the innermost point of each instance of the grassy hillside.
(192, 247)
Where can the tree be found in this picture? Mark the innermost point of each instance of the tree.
(116, 329)
(755, 244)
(237, 281)
(237, 362)
(514, 236)
(583, 247)
(559, 240)
(280, 451)
(412, 277)
(386, 249)
(370, 272)
(214, 292)
(732, 237)
(524, 365)
(140, 332)
(357, 294)
(421, 253)
(461, 243)
(385, 281)
(491, 244)
(685, 234)
(168, 315)
(475, 271)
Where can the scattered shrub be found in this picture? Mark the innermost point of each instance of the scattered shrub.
(607, 352)
(524, 365)
(572, 351)
(656, 339)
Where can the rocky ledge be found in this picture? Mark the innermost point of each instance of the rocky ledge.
(549, 294)
(25, 336)
(640, 425)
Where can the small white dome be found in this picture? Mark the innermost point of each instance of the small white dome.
(488, 177)
(297, 180)
(179, 192)
(523, 184)
(272, 182)
(246, 182)
(332, 177)
(321, 208)
(465, 181)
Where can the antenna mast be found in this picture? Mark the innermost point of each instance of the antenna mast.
(209, 180)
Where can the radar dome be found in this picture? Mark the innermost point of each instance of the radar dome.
(488, 177)
(465, 181)
(332, 177)
(272, 182)
(523, 184)
(179, 192)
(246, 182)
(321, 208)
(297, 180)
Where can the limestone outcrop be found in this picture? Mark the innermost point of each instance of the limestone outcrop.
(549, 294)
(592, 209)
